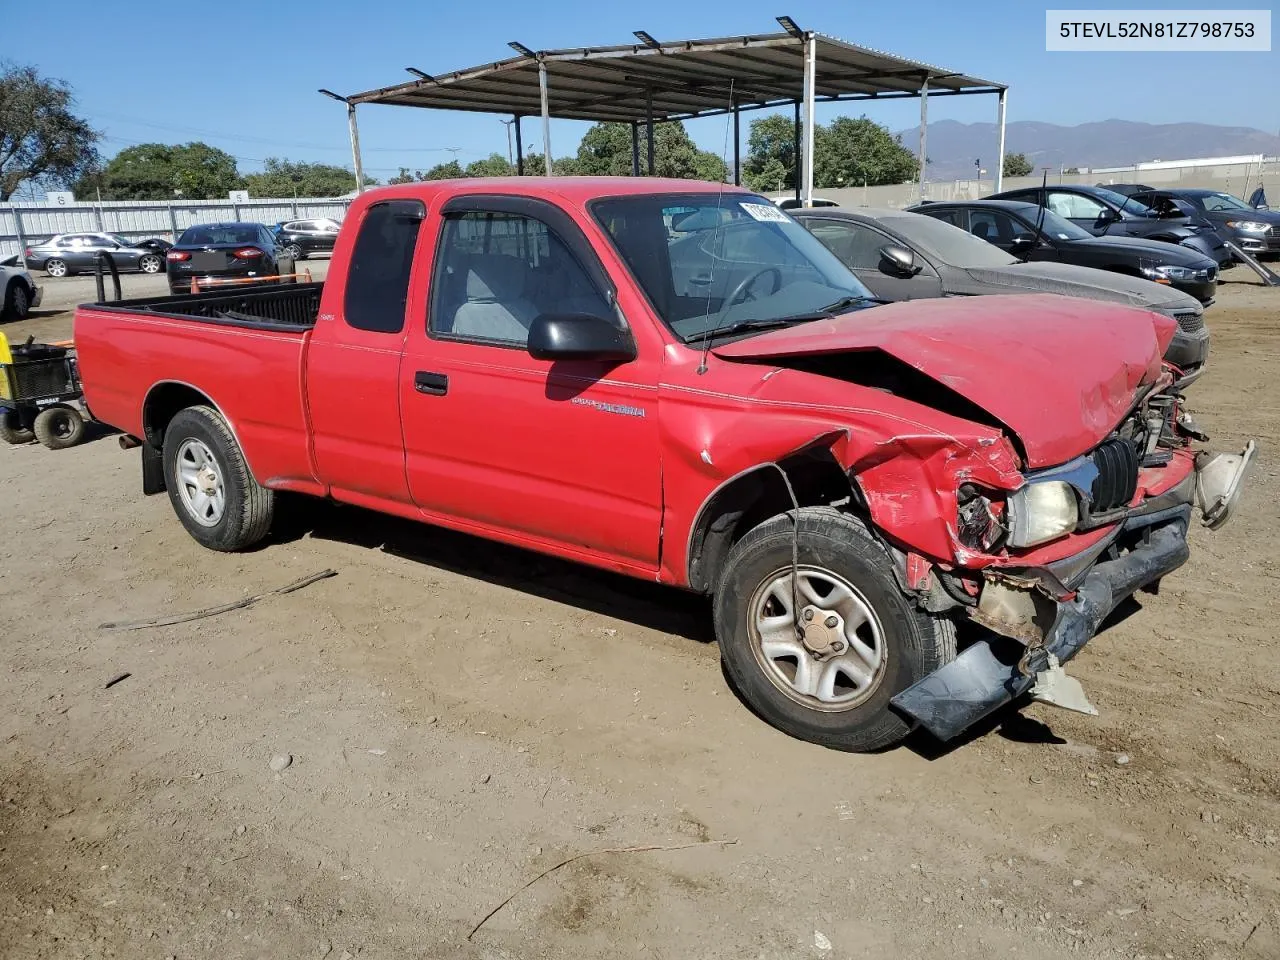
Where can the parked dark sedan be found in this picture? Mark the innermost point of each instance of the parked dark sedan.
(899, 255)
(303, 237)
(211, 252)
(1104, 212)
(1254, 231)
(1011, 226)
(70, 253)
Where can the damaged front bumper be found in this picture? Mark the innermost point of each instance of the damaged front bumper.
(1145, 546)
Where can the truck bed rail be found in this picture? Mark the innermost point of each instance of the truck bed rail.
(289, 306)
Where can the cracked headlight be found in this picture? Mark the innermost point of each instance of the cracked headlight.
(1248, 226)
(1040, 512)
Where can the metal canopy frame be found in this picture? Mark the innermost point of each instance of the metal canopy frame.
(653, 82)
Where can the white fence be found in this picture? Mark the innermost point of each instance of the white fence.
(22, 224)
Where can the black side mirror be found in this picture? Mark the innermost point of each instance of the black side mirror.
(1023, 242)
(578, 336)
(1108, 216)
(898, 261)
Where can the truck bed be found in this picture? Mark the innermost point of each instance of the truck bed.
(290, 307)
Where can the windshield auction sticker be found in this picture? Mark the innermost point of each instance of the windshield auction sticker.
(1134, 31)
(765, 211)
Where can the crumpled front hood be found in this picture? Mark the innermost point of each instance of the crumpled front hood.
(1060, 373)
(1069, 280)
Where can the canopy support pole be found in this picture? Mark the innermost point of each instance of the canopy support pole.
(355, 147)
(519, 148)
(648, 100)
(546, 118)
(635, 149)
(795, 143)
(810, 79)
(737, 146)
(1000, 151)
(924, 131)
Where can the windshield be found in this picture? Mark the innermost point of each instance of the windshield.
(220, 233)
(120, 240)
(1060, 228)
(1127, 204)
(1223, 201)
(710, 263)
(948, 243)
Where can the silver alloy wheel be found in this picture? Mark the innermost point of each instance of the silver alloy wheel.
(294, 251)
(150, 264)
(837, 658)
(56, 268)
(200, 483)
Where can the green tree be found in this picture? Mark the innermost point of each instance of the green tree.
(850, 152)
(494, 165)
(288, 178)
(157, 171)
(605, 151)
(41, 140)
(404, 176)
(1017, 165)
(444, 171)
(771, 154)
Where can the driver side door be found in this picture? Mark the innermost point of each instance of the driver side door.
(561, 455)
(1085, 212)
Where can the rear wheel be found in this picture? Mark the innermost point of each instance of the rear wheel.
(17, 302)
(56, 267)
(822, 660)
(12, 430)
(210, 487)
(150, 264)
(59, 427)
(295, 252)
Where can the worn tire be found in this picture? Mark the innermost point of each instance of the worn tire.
(914, 643)
(12, 430)
(17, 302)
(59, 426)
(246, 516)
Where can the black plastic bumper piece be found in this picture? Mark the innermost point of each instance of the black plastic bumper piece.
(985, 676)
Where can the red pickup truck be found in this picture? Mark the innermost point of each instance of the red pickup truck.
(677, 381)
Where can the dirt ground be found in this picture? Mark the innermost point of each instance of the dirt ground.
(463, 716)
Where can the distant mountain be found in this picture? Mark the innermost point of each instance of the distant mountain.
(954, 146)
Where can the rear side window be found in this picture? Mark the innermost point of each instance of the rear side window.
(378, 276)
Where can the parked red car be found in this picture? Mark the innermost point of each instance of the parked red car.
(677, 381)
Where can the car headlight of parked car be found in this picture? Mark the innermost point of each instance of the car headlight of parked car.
(1248, 226)
(1166, 273)
(1041, 512)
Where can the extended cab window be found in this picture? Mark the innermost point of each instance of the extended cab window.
(495, 272)
(378, 277)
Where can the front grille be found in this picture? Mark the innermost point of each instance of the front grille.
(1117, 481)
(1189, 321)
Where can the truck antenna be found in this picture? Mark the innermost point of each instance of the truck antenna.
(724, 160)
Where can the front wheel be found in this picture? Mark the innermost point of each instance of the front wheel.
(59, 427)
(17, 303)
(150, 264)
(820, 655)
(210, 487)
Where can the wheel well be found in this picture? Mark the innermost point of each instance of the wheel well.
(163, 403)
(754, 496)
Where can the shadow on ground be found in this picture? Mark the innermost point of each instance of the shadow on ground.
(646, 604)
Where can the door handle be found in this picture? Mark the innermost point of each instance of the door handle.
(432, 384)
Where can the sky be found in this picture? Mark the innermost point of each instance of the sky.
(246, 82)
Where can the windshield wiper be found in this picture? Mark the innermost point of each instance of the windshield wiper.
(767, 323)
